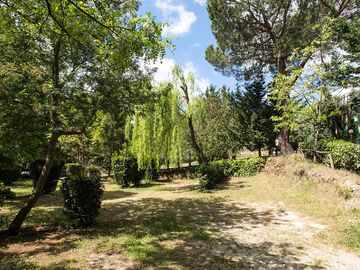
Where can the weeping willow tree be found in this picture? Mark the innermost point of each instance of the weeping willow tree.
(185, 86)
(155, 133)
(162, 131)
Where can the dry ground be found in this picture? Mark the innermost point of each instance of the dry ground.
(249, 223)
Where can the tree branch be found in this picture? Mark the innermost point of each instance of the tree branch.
(48, 5)
(96, 20)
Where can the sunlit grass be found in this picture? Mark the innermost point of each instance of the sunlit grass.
(156, 224)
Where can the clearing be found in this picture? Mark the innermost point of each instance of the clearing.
(260, 222)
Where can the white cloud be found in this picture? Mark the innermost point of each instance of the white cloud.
(201, 2)
(179, 18)
(196, 45)
(202, 84)
(164, 69)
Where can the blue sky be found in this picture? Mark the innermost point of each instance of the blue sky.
(189, 29)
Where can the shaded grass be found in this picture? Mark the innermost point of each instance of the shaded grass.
(160, 227)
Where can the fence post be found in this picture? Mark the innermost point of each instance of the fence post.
(331, 161)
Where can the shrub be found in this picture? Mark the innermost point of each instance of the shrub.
(126, 171)
(8, 176)
(151, 172)
(211, 174)
(345, 154)
(82, 190)
(244, 167)
(53, 177)
(5, 193)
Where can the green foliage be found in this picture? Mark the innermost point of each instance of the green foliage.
(214, 123)
(311, 103)
(185, 87)
(244, 167)
(157, 132)
(150, 131)
(346, 155)
(152, 172)
(249, 32)
(106, 137)
(64, 61)
(53, 177)
(5, 193)
(211, 174)
(216, 172)
(82, 192)
(125, 169)
(344, 68)
(74, 171)
(252, 111)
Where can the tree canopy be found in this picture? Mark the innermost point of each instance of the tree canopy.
(63, 61)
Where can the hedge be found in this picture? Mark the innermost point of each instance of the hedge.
(215, 172)
(126, 171)
(212, 174)
(82, 190)
(244, 167)
(345, 154)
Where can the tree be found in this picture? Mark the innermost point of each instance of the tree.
(185, 87)
(64, 60)
(314, 108)
(344, 67)
(311, 108)
(214, 123)
(107, 136)
(253, 34)
(253, 111)
(150, 130)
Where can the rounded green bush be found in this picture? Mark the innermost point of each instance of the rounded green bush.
(126, 171)
(211, 174)
(82, 192)
(345, 154)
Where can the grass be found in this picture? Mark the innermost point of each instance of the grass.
(174, 226)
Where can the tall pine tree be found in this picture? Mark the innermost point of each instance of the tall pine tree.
(253, 112)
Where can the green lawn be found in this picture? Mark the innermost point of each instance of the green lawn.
(173, 225)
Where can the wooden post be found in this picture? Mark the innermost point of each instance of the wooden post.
(331, 161)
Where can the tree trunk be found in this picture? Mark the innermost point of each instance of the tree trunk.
(15, 225)
(259, 152)
(282, 141)
(199, 152)
(282, 138)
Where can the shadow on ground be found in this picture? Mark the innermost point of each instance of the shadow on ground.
(187, 233)
(162, 234)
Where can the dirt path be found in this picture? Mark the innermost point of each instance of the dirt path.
(274, 238)
(173, 226)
